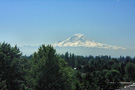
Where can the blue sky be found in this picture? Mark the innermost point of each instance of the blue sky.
(36, 22)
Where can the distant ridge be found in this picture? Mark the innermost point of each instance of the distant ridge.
(79, 40)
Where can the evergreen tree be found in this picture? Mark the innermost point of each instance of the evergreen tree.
(3, 85)
(73, 61)
(10, 66)
(49, 71)
(67, 58)
(130, 71)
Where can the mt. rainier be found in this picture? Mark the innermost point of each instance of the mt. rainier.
(78, 40)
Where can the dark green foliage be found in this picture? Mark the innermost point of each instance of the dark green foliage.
(45, 70)
(106, 71)
(3, 85)
(49, 71)
(78, 81)
(11, 72)
(89, 82)
(130, 71)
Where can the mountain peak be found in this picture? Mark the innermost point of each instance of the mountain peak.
(76, 37)
(78, 40)
(79, 35)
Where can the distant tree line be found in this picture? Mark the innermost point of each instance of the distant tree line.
(47, 70)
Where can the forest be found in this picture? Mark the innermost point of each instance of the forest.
(47, 70)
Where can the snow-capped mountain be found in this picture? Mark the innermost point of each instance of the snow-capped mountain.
(79, 40)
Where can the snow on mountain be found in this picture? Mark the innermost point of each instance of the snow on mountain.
(78, 40)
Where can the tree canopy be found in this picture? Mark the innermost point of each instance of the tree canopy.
(47, 70)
